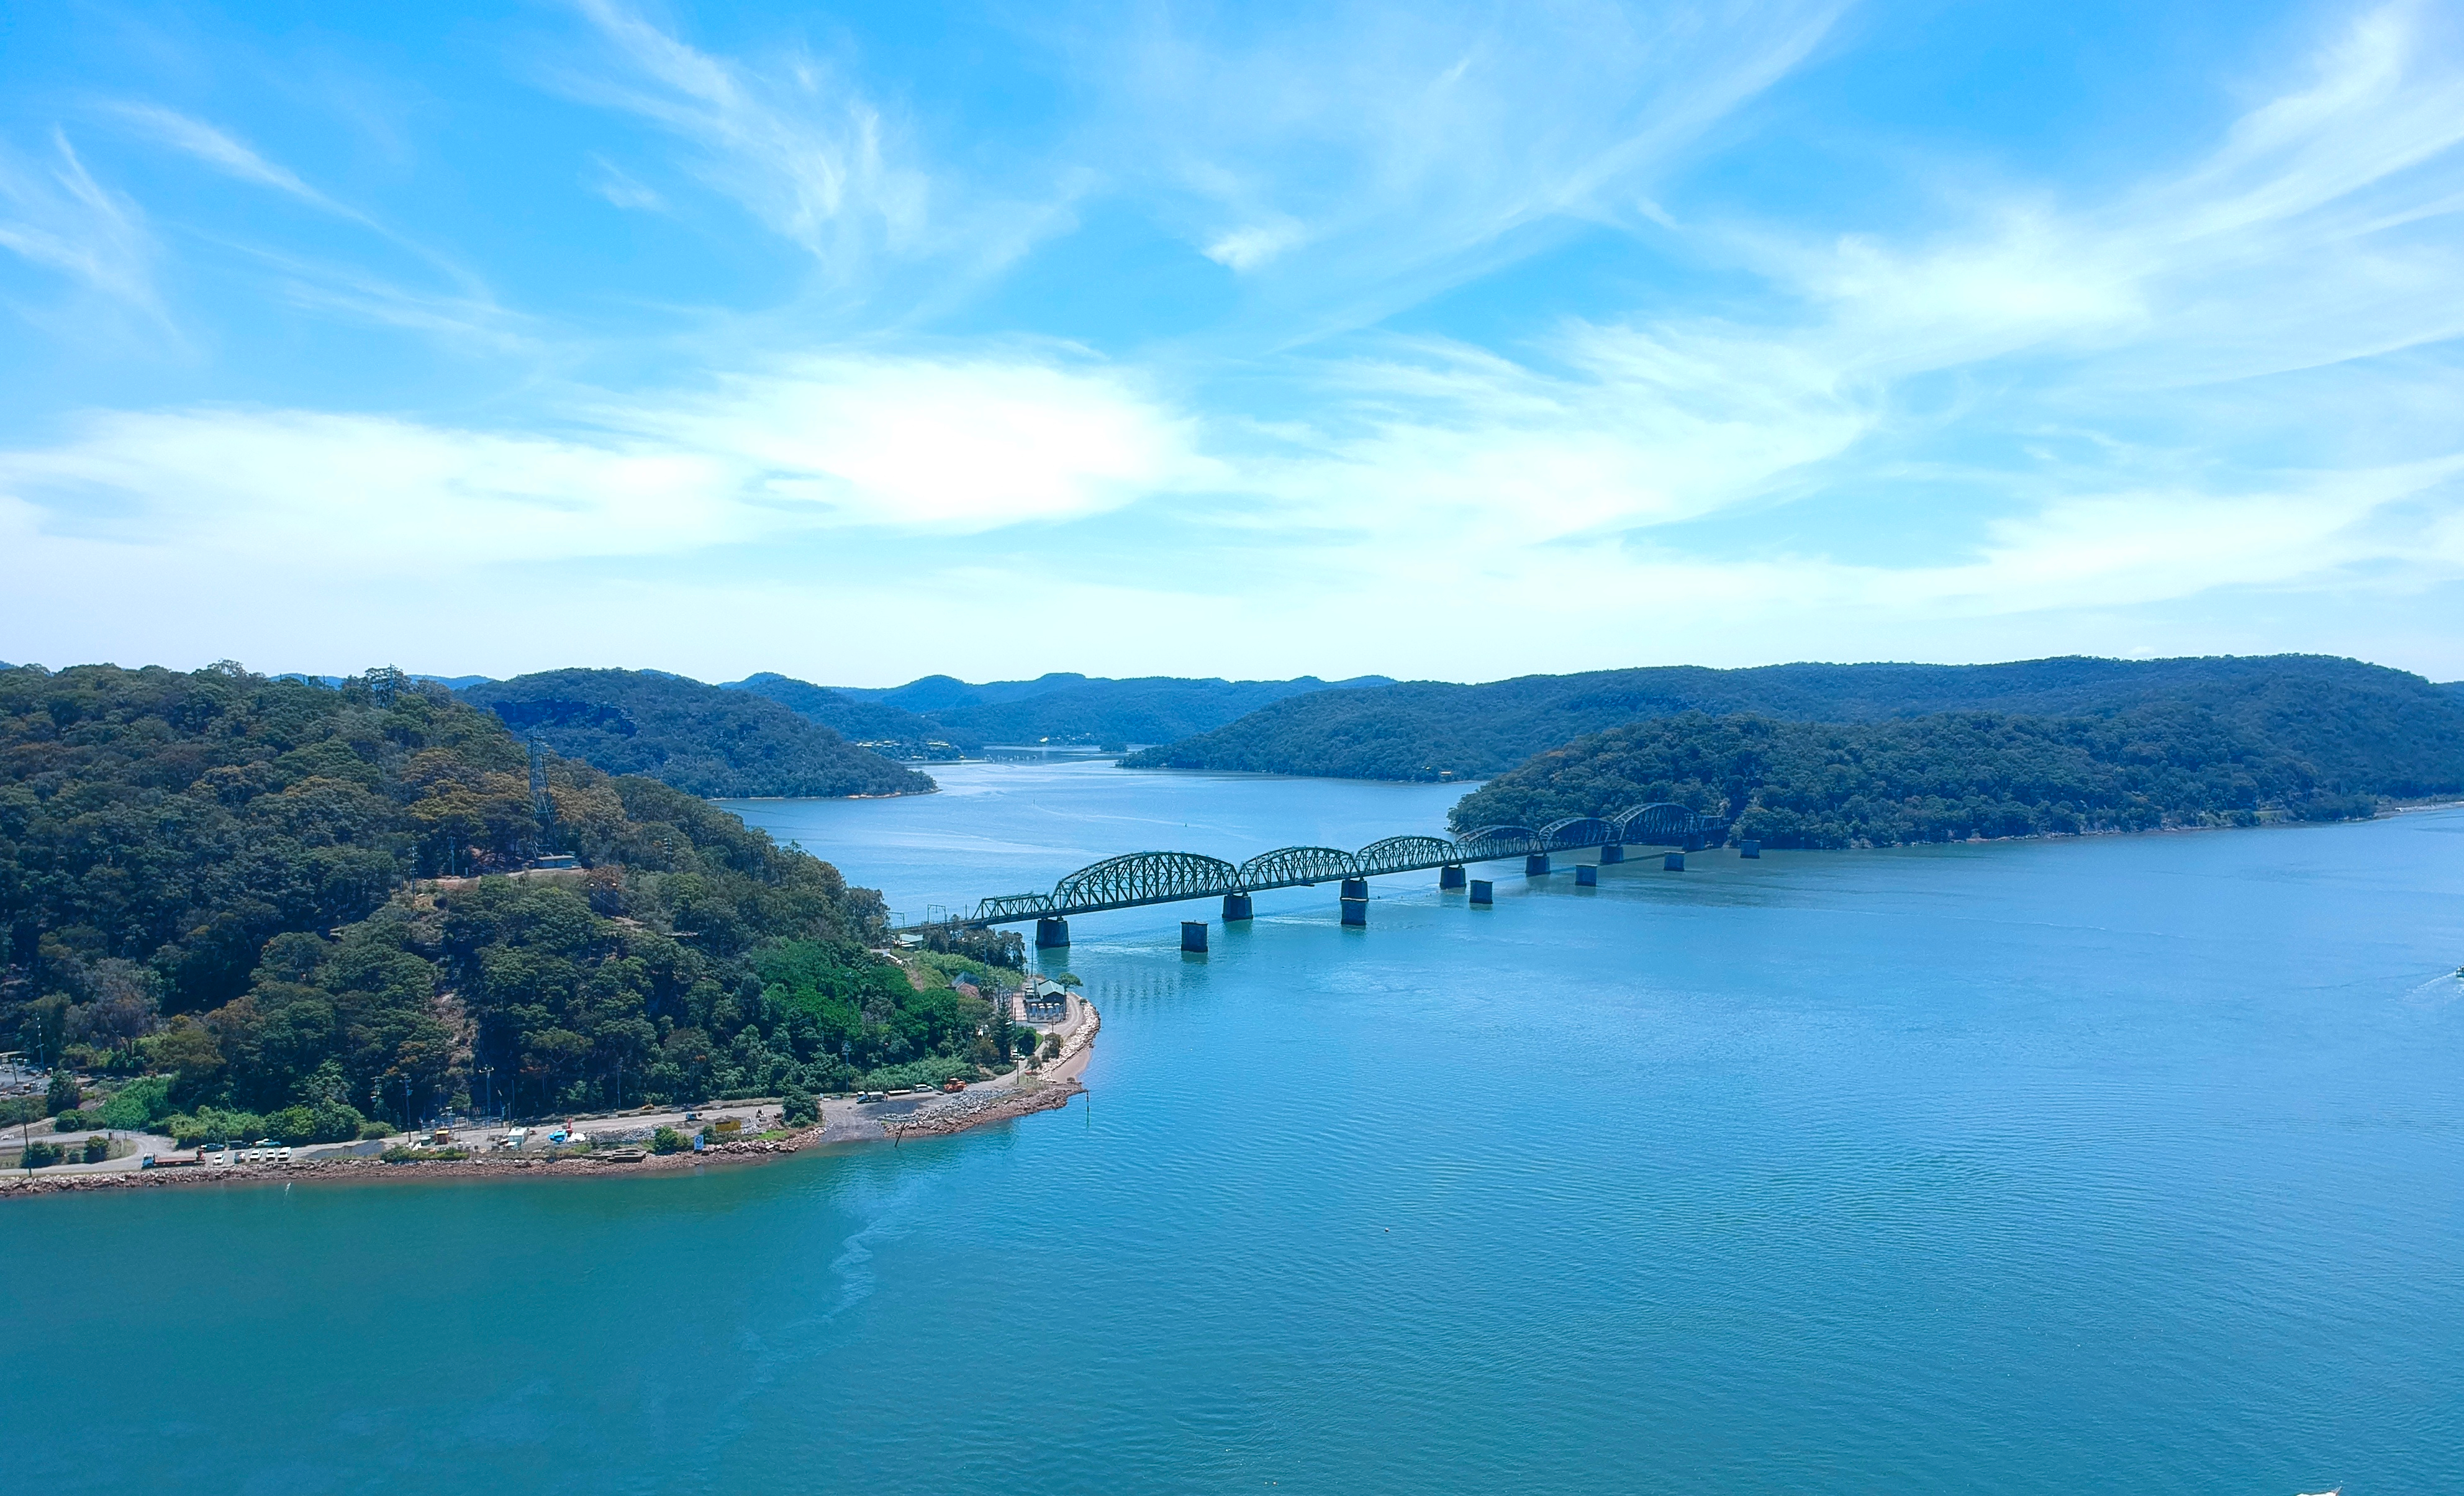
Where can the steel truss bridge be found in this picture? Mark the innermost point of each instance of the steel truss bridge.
(1135, 879)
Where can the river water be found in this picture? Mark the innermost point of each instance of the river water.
(2127, 1163)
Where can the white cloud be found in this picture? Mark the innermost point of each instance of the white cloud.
(1247, 249)
(2224, 377)
(966, 444)
(904, 444)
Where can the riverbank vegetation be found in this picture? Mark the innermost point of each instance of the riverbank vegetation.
(1955, 775)
(702, 739)
(271, 905)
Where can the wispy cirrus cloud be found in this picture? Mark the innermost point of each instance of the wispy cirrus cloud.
(56, 215)
(1355, 159)
(797, 145)
(216, 148)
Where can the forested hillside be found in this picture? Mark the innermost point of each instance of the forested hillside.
(214, 878)
(1070, 708)
(702, 739)
(1956, 775)
(893, 731)
(2357, 722)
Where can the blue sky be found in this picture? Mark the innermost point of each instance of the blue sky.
(866, 342)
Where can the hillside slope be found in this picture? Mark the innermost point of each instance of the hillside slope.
(2355, 715)
(702, 739)
(206, 877)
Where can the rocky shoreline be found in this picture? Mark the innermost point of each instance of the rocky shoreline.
(936, 1119)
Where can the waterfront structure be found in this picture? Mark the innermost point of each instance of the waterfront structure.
(1139, 878)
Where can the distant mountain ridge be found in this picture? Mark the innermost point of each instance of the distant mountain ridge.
(1427, 730)
(893, 731)
(701, 740)
(1067, 707)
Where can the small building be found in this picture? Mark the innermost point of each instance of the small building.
(551, 860)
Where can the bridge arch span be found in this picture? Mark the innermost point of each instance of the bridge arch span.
(1662, 823)
(1578, 831)
(1405, 853)
(1143, 878)
(1492, 842)
(1286, 866)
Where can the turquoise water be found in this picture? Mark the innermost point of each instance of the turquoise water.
(2124, 1163)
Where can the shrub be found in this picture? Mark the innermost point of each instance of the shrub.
(75, 1121)
(214, 1125)
(98, 1148)
(798, 1109)
(666, 1140)
(62, 1096)
(292, 1125)
(334, 1122)
(1052, 1046)
(371, 1131)
(140, 1104)
(38, 1155)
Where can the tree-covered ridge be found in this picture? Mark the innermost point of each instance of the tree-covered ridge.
(2355, 720)
(893, 731)
(702, 739)
(183, 819)
(1947, 777)
(260, 890)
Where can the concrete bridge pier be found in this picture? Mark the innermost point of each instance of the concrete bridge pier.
(1586, 876)
(1356, 888)
(1483, 891)
(1535, 864)
(1612, 852)
(1693, 840)
(1749, 848)
(1193, 935)
(1674, 862)
(1450, 876)
(1051, 935)
(1236, 908)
